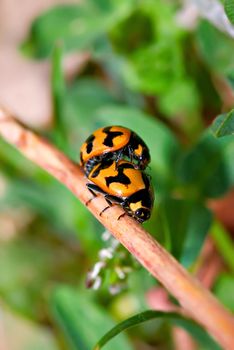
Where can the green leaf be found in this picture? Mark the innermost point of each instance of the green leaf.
(133, 32)
(154, 68)
(195, 330)
(185, 224)
(224, 288)
(154, 63)
(158, 70)
(229, 9)
(223, 125)
(182, 97)
(216, 48)
(78, 26)
(207, 169)
(82, 320)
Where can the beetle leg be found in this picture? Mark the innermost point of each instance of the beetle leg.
(111, 200)
(105, 209)
(118, 157)
(109, 205)
(122, 215)
(130, 153)
(125, 204)
(93, 189)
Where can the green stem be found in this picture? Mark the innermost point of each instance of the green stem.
(223, 243)
(58, 92)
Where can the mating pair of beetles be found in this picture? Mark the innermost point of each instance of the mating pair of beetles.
(114, 159)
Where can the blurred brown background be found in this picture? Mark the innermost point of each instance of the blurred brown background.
(24, 87)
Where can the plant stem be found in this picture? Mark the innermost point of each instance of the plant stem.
(223, 243)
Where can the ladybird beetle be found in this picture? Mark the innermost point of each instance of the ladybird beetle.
(123, 184)
(113, 142)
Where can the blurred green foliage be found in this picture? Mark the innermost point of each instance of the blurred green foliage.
(199, 334)
(165, 82)
(224, 290)
(83, 320)
(229, 8)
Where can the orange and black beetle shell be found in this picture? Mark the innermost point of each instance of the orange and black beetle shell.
(114, 142)
(122, 183)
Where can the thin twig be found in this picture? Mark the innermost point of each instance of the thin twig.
(193, 297)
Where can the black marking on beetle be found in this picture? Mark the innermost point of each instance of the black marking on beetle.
(136, 140)
(92, 162)
(125, 166)
(101, 166)
(89, 142)
(119, 178)
(110, 135)
(143, 196)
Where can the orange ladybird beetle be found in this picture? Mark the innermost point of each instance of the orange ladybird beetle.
(123, 184)
(114, 142)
